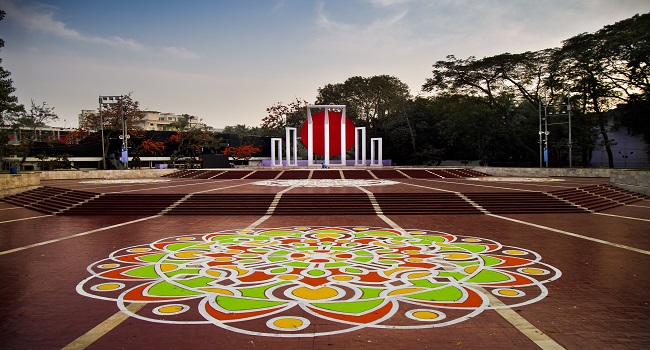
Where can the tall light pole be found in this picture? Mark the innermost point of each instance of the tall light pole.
(105, 100)
(561, 110)
(543, 155)
(568, 101)
(125, 138)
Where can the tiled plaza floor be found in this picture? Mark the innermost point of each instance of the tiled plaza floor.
(488, 281)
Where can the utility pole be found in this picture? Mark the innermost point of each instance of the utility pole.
(563, 109)
(105, 100)
(125, 140)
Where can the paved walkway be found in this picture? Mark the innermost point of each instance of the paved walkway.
(323, 281)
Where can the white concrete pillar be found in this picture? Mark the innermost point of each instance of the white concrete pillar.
(274, 141)
(360, 133)
(326, 125)
(310, 138)
(291, 142)
(343, 138)
(380, 160)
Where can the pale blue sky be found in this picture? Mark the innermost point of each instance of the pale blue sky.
(225, 61)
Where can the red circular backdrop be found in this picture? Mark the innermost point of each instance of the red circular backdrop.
(335, 133)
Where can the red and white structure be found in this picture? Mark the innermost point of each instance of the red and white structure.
(327, 132)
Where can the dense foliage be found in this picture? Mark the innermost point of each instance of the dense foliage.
(489, 110)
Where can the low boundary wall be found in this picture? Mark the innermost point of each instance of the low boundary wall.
(11, 184)
(104, 174)
(547, 172)
(636, 181)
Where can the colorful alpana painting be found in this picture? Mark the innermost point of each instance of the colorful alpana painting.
(285, 281)
(326, 183)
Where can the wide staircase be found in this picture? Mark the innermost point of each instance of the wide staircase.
(223, 204)
(598, 197)
(423, 204)
(50, 200)
(324, 204)
(119, 204)
(522, 203)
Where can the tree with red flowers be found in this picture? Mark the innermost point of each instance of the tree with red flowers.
(243, 152)
(191, 137)
(151, 147)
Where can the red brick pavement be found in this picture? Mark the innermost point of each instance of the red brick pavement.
(599, 302)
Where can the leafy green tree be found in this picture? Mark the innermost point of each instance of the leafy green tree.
(577, 68)
(603, 69)
(38, 116)
(504, 82)
(242, 131)
(624, 49)
(411, 137)
(8, 105)
(184, 122)
(467, 127)
(8, 102)
(192, 139)
(113, 119)
(368, 100)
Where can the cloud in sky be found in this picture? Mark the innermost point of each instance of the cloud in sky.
(40, 18)
(181, 52)
(226, 62)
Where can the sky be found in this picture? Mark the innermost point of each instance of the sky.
(226, 61)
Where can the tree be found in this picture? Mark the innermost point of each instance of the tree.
(504, 81)
(624, 49)
(38, 116)
(242, 131)
(8, 104)
(577, 68)
(151, 147)
(603, 69)
(243, 152)
(280, 116)
(368, 100)
(468, 129)
(191, 140)
(411, 137)
(113, 119)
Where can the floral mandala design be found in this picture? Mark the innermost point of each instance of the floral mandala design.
(326, 182)
(285, 281)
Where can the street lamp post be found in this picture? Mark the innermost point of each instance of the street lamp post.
(562, 109)
(625, 155)
(539, 108)
(568, 101)
(105, 100)
(543, 151)
(125, 139)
